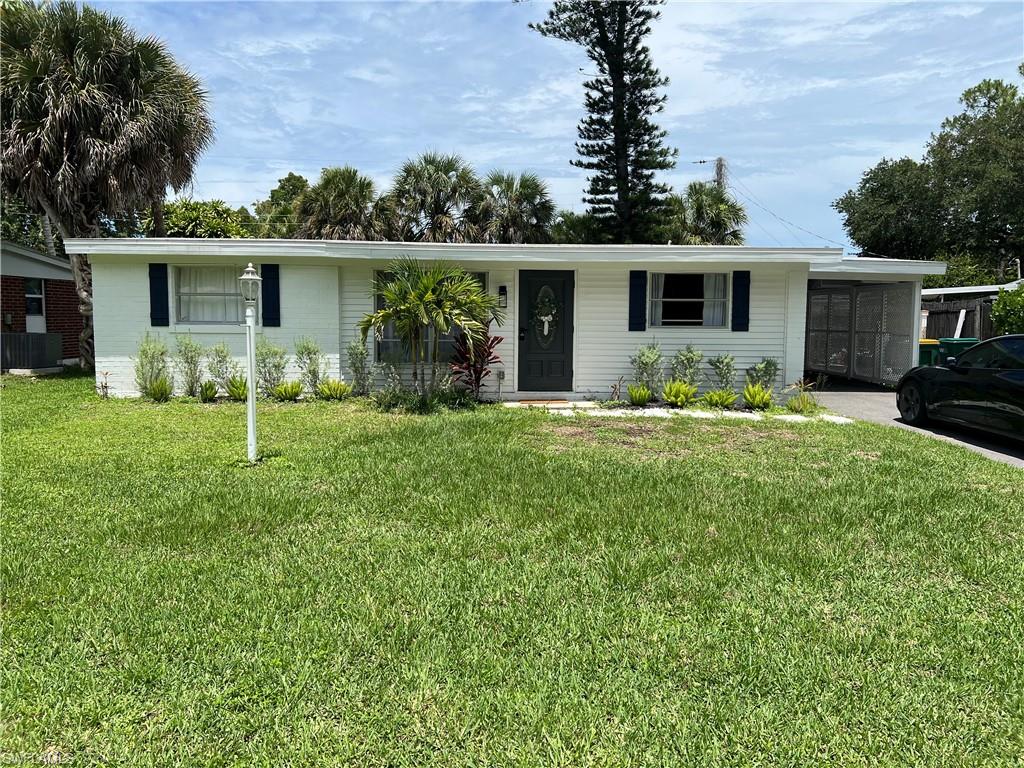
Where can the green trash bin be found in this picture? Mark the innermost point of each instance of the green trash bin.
(954, 347)
(928, 352)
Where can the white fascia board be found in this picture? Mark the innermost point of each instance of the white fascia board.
(346, 250)
(990, 289)
(862, 268)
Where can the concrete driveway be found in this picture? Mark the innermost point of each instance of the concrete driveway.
(879, 406)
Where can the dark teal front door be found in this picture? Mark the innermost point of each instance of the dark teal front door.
(545, 330)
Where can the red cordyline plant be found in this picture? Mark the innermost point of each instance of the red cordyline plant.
(473, 360)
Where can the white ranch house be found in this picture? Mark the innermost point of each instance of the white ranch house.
(574, 314)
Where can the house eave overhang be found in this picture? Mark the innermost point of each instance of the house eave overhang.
(268, 250)
(862, 268)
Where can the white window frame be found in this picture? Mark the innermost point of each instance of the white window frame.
(405, 356)
(177, 294)
(726, 302)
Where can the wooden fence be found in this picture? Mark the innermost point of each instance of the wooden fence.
(943, 317)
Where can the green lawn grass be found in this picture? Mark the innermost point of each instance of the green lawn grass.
(501, 588)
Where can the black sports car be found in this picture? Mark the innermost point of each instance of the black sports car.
(982, 388)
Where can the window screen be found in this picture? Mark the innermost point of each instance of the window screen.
(209, 295)
(688, 298)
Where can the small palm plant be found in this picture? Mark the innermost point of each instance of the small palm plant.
(424, 301)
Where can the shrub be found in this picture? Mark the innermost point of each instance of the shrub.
(764, 373)
(679, 393)
(160, 390)
(221, 366)
(400, 399)
(271, 361)
(311, 362)
(639, 394)
(724, 367)
(757, 396)
(188, 361)
(287, 391)
(472, 362)
(647, 366)
(686, 365)
(719, 398)
(333, 389)
(237, 389)
(207, 392)
(151, 365)
(358, 367)
(1008, 311)
(802, 402)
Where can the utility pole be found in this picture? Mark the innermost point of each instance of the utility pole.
(720, 173)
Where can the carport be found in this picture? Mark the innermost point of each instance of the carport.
(864, 318)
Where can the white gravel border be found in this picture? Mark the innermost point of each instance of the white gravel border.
(587, 408)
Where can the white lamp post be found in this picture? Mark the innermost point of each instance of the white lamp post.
(250, 283)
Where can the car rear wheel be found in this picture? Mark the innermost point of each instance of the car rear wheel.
(910, 401)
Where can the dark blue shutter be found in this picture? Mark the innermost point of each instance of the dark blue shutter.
(741, 300)
(159, 302)
(637, 300)
(271, 274)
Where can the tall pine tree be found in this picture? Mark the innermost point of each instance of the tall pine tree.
(619, 143)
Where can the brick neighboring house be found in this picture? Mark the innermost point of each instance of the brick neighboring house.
(37, 295)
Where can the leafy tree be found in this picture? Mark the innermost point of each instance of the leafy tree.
(705, 215)
(571, 228)
(619, 142)
(424, 301)
(276, 216)
(964, 199)
(961, 271)
(433, 199)
(515, 209)
(978, 164)
(895, 211)
(340, 206)
(18, 224)
(96, 121)
(1008, 311)
(200, 218)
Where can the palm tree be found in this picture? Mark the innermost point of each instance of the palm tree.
(96, 121)
(424, 301)
(434, 197)
(706, 215)
(340, 206)
(515, 209)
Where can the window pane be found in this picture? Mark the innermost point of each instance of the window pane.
(209, 295)
(682, 312)
(980, 356)
(683, 286)
(1013, 353)
(33, 305)
(33, 286)
(714, 286)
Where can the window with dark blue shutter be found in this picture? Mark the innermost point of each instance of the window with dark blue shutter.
(271, 295)
(159, 301)
(637, 300)
(741, 300)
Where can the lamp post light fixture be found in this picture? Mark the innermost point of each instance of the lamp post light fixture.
(250, 285)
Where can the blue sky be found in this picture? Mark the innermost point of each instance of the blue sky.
(800, 98)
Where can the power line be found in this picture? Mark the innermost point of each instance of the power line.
(751, 198)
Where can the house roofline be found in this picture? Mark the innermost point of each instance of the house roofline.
(8, 247)
(820, 260)
(351, 249)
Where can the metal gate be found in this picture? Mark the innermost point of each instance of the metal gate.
(861, 331)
